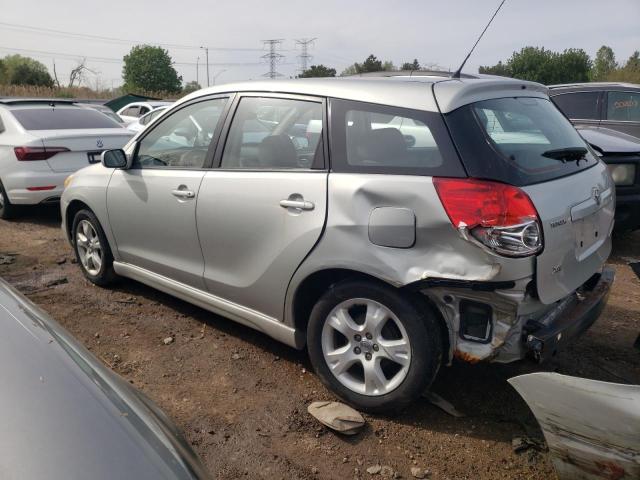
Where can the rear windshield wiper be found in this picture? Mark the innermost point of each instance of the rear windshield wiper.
(566, 154)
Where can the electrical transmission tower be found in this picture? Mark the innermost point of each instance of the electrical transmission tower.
(304, 56)
(273, 57)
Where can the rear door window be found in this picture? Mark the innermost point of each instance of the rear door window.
(62, 118)
(623, 106)
(373, 138)
(274, 134)
(580, 105)
(520, 141)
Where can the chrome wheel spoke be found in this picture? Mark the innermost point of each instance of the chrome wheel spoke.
(375, 318)
(398, 351)
(375, 383)
(341, 359)
(343, 323)
(97, 261)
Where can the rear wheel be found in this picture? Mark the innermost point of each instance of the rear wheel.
(372, 346)
(7, 209)
(92, 249)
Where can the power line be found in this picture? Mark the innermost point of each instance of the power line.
(50, 31)
(273, 57)
(304, 56)
(118, 60)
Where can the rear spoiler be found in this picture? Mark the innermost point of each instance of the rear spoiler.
(35, 101)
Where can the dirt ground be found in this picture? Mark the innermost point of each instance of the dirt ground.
(241, 398)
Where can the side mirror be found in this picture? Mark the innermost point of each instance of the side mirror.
(183, 132)
(114, 158)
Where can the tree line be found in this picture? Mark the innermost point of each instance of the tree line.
(150, 69)
(569, 66)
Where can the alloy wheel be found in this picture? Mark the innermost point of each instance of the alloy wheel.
(366, 347)
(89, 248)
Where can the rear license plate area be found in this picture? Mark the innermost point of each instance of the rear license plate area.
(94, 157)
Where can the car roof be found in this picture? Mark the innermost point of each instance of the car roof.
(399, 91)
(35, 102)
(594, 86)
(76, 414)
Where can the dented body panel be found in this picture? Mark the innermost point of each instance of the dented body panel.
(592, 428)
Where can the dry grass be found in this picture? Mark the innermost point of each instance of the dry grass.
(32, 91)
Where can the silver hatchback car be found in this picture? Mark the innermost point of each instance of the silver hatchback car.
(388, 225)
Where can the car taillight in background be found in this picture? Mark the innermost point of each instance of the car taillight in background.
(497, 216)
(623, 173)
(37, 153)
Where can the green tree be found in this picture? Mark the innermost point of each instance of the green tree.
(498, 69)
(371, 64)
(604, 64)
(19, 70)
(630, 72)
(191, 87)
(150, 69)
(415, 65)
(318, 71)
(545, 66)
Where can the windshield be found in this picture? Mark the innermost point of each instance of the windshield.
(62, 118)
(519, 140)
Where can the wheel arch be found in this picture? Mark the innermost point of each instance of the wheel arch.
(313, 286)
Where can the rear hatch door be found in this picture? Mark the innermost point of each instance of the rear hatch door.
(577, 218)
(84, 145)
(525, 141)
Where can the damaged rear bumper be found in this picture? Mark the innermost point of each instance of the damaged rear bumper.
(571, 318)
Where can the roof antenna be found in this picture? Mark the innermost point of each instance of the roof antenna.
(456, 74)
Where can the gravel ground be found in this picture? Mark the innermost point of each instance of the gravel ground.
(241, 398)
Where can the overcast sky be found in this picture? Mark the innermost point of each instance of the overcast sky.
(438, 32)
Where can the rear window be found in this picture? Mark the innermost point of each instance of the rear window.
(623, 106)
(511, 140)
(62, 118)
(371, 138)
(582, 105)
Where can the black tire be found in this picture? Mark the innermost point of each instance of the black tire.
(105, 275)
(7, 209)
(422, 330)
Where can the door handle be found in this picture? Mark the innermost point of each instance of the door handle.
(301, 204)
(183, 193)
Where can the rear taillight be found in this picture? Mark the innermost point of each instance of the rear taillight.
(37, 153)
(497, 216)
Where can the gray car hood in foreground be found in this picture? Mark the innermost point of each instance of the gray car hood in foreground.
(65, 416)
(592, 428)
(609, 141)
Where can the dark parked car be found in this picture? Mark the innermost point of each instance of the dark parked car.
(66, 416)
(621, 153)
(611, 105)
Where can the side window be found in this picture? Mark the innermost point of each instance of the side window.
(371, 138)
(182, 139)
(132, 112)
(623, 106)
(274, 133)
(581, 105)
(143, 111)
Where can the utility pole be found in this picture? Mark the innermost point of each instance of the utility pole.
(198, 70)
(273, 57)
(304, 56)
(206, 50)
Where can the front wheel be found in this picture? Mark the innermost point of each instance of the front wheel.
(92, 249)
(373, 346)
